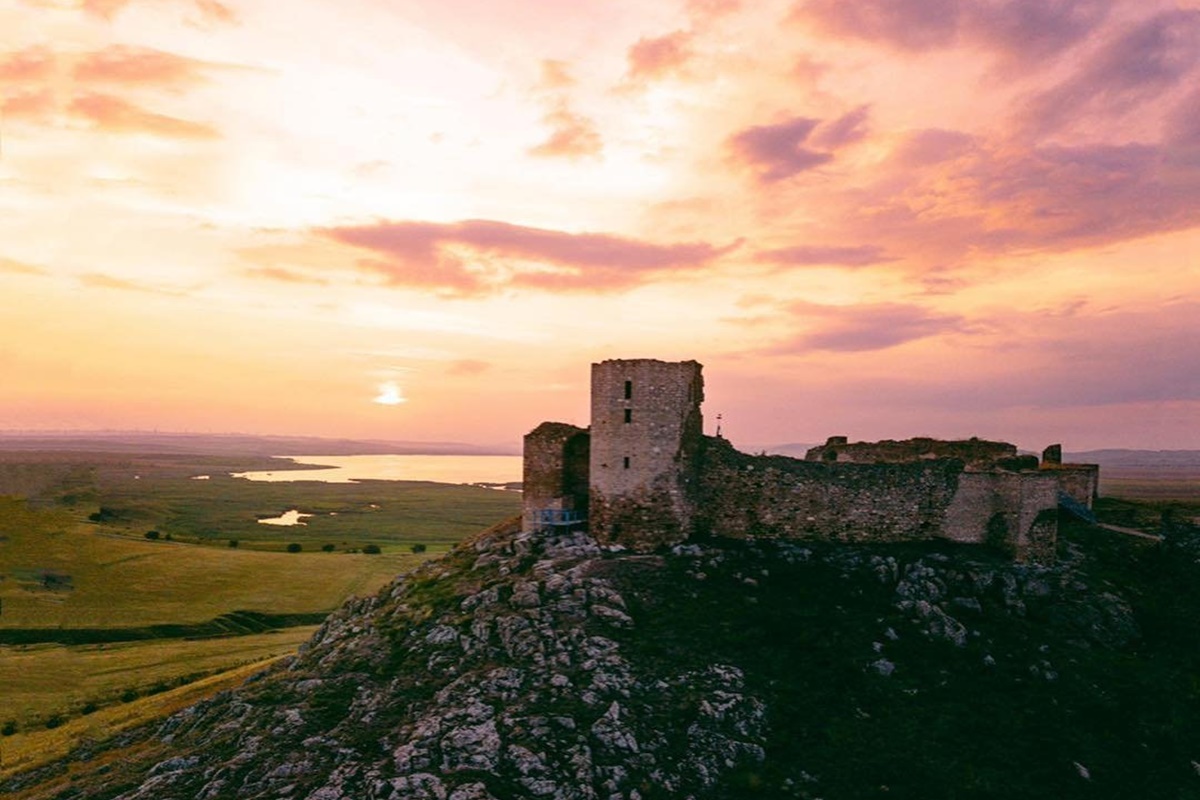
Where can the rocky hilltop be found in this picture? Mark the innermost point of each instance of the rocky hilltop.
(542, 666)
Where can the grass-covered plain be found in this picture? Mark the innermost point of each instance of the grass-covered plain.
(59, 571)
(135, 494)
(76, 564)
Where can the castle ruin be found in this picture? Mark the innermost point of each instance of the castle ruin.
(645, 475)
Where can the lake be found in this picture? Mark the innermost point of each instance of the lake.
(440, 469)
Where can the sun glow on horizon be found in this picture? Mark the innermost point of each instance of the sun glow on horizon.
(390, 394)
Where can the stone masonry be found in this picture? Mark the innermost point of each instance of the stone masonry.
(645, 475)
(646, 431)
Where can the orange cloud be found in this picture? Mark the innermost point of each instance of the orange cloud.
(571, 136)
(556, 75)
(30, 64)
(137, 65)
(210, 10)
(654, 58)
(34, 106)
(284, 275)
(112, 114)
(19, 267)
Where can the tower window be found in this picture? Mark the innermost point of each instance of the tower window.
(626, 462)
(629, 415)
(628, 390)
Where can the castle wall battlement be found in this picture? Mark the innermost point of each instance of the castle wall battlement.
(646, 476)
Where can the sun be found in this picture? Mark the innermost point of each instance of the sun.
(390, 394)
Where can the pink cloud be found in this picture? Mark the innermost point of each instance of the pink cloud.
(1028, 29)
(1131, 70)
(863, 328)
(777, 151)
(707, 9)
(819, 255)
(426, 254)
(906, 24)
(846, 129)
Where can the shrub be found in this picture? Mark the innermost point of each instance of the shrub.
(9, 728)
(151, 535)
(418, 548)
(233, 542)
(89, 708)
(373, 549)
(294, 547)
(328, 548)
(55, 721)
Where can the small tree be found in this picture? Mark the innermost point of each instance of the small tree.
(233, 542)
(373, 549)
(418, 548)
(151, 535)
(294, 547)
(328, 548)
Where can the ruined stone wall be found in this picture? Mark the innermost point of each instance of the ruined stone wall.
(1080, 482)
(555, 470)
(745, 496)
(646, 428)
(970, 451)
(1016, 512)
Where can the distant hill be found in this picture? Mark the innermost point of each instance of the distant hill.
(237, 444)
(1136, 458)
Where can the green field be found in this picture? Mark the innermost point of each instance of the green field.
(177, 612)
(59, 572)
(132, 495)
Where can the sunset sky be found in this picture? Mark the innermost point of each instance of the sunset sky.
(423, 220)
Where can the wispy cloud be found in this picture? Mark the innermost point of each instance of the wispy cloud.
(210, 10)
(1025, 28)
(477, 256)
(860, 328)
(1131, 69)
(826, 255)
(117, 115)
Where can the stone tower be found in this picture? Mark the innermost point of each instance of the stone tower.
(645, 434)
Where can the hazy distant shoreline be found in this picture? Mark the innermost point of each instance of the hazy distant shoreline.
(237, 444)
